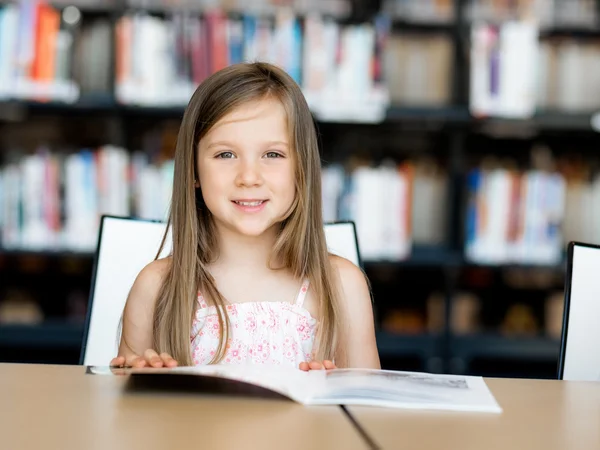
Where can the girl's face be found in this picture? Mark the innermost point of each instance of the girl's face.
(246, 169)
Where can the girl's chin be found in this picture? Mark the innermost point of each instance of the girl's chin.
(253, 229)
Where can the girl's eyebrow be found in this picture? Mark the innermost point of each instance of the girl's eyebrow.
(278, 143)
(231, 144)
(217, 143)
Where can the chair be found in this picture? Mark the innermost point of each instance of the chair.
(580, 342)
(125, 246)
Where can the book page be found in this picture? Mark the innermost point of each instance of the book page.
(291, 383)
(406, 390)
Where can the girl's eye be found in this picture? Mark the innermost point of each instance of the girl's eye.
(274, 155)
(225, 155)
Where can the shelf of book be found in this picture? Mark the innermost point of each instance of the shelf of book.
(45, 254)
(455, 115)
(400, 24)
(506, 347)
(545, 120)
(51, 334)
(59, 334)
(445, 114)
(514, 265)
(421, 257)
(570, 32)
(424, 345)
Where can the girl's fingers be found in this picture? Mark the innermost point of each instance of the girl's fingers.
(329, 365)
(168, 360)
(118, 361)
(314, 365)
(136, 361)
(149, 359)
(152, 358)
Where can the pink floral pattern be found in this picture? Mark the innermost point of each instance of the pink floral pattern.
(212, 326)
(303, 328)
(261, 332)
(260, 351)
(250, 322)
(236, 352)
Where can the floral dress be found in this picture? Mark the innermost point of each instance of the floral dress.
(280, 333)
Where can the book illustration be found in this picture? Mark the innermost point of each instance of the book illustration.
(417, 379)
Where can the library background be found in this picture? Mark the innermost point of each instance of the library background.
(460, 136)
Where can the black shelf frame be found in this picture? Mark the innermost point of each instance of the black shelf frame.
(457, 117)
(55, 334)
(63, 335)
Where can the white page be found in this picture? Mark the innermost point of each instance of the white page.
(409, 390)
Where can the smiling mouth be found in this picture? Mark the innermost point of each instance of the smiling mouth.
(249, 203)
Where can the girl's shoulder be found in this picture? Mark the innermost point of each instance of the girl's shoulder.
(148, 282)
(351, 281)
(346, 271)
(155, 271)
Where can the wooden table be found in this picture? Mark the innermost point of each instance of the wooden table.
(537, 414)
(60, 407)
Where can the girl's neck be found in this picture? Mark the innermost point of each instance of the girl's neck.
(247, 252)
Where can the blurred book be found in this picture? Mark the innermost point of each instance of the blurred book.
(547, 13)
(393, 206)
(53, 201)
(421, 11)
(503, 69)
(161, 60)
(515, 216)
(582, 209)
(36, 50)
(93, 56)
(335, 8)
(569, 70)
(418, 69)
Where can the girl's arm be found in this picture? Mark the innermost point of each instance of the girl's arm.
(358, 346)
(135, 348)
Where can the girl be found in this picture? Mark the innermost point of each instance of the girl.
(249, 279)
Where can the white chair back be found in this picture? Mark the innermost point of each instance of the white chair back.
(580, 343)
(125, 247)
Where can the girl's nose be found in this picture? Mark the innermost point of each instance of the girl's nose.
(249, 174)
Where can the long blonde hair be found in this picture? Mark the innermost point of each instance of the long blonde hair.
(300, 244)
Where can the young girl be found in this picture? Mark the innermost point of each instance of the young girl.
(249, 279)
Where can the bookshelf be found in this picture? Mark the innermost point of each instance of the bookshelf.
(414, 294)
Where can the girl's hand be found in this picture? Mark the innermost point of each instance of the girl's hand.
(315, 365)
(149, 359)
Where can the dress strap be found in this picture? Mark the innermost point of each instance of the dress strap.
(201, 301)
(302, 293)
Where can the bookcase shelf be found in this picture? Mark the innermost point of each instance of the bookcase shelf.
(439, 351)
(505, 347)
(48, 335)
(61, 334)
(401, 25)
(570, 32)
(458, 116)
(50, 254)
(549, 120)
(424, 345)
(421, 257)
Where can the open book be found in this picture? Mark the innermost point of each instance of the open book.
(334, 387)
